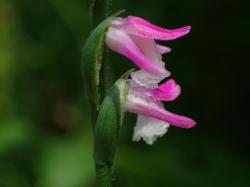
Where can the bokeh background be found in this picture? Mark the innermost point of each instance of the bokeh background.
(45, 130)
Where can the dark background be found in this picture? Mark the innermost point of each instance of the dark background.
(45, 131)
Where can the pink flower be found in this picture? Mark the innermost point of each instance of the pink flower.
(135, 38)
(153, 120)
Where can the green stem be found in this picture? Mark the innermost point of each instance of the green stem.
(104, 175)
(106, 78)
(99, 10)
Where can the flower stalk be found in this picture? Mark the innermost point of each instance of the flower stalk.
(104, 176)
(100, 10)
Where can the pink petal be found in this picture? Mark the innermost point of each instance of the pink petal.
(141, 104)
(140, 27)
(120, 42)
(150, 50)
(168, 91)
(163, 49)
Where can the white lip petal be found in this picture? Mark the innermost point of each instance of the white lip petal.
(148, 80)
(149, 129)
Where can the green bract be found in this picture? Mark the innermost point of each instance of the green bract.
(109, 121)
(92, 59)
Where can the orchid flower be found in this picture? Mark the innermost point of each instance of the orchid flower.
(143, 93)
(153, 120)
(135, 38)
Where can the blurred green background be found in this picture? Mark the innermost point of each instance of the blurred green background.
(45, 131)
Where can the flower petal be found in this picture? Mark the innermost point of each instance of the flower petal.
(150, 49)
(149, 129)
(148, 80)
(168, 91)
(140, 27)
(120, 42)
(141, 104)
(163, 49)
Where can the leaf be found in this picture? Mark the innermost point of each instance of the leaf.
(109, 121)
(92, 57)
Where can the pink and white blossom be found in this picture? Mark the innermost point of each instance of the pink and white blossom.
(135, 38)
(153, 119)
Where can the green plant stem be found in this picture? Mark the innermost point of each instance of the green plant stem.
(99, 10)
(104, 175)
(106, 79)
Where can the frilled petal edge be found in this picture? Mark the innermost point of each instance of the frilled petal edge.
(149, 129)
